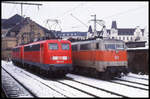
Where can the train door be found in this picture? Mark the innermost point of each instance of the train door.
(22, 57)
(93, 54)
(42, 53)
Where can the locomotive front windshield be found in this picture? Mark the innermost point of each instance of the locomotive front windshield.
(119, 46)
(110, 46)
(114, 46)
(53, 46)
(65, 46)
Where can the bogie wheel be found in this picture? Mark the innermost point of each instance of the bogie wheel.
(106, 75)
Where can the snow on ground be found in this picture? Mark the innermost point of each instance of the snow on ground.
(139, 76)
(121, 89)
(68, 91)
(43, 91)
(88, 89)
(132, 84)
(18, 90)
(135, 80)
(37, 88)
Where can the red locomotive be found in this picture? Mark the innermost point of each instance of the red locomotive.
(51, 56)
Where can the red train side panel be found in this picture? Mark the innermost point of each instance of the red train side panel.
(49, 55)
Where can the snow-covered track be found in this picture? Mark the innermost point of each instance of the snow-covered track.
(146, 77)
(53, 84)
(13, 88)
(91, 86)
(134, 82)
(130, 85)
(138, 77)
(78, 89)
(62, 89)
(36, 87)
(123, 90)
(74, 85)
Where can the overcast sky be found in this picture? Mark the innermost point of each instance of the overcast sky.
(127, 14)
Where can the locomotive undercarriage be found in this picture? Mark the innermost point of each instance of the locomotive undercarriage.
(54, 70)
(114, 71)
(109, 73)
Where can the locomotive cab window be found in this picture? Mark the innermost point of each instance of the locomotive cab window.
(110, 46)
(65, 46)
(53, 46)
(119, 46)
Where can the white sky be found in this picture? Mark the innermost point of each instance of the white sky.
(127, 14)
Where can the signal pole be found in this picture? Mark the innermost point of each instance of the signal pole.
(96, 21)
(95, 32)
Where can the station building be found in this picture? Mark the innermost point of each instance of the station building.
(19, 30)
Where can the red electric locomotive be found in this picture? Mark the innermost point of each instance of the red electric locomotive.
(51, 56)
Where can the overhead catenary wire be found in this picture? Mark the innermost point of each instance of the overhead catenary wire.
(62, 16)
(68, 11)
(123, 12)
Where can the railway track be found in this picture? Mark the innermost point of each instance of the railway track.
(76, 85)
(13, 88)
(91, 86)
(125, 88)
(132, 82)
(138, 78)
(131, 85)
(39, 89)
(77, 88)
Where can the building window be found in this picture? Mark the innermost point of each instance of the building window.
(127, 38)
(119, 38)
(131, 38)
(123, 38)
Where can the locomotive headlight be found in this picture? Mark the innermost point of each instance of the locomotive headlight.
(55, 58)
(59, 57)
(64, 57)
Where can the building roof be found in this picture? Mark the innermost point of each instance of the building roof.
(72, 33)
(12, 21)
(17, 26)
(114, 25)
(125, 31)
(3, 20)
(142, 30)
